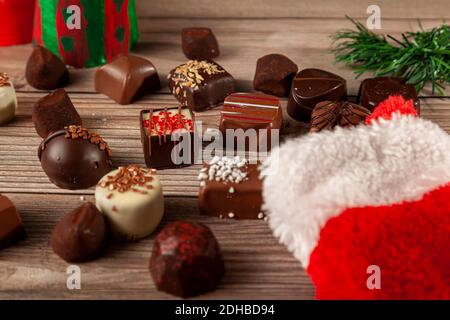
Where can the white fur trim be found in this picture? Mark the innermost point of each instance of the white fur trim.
(319, 175)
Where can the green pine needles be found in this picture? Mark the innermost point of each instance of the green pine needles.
(419, 57)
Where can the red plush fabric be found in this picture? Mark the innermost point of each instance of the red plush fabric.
(409, 242)
(392, 104)
(17, 21)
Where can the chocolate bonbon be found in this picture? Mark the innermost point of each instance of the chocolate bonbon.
(11, 227)
(200, 84)
(230, 188)
(45, 70)
(157, 128)
(80, 235)
(375, 90)
(131, 198)
(74, 158)
(186, 259)
(247, 111)
(54, 112)
(8, 100)
(199, 43)
(127, 78)
(311, 86)
(329, 114)
(274, 74)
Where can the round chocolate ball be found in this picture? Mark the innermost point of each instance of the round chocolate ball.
(74, 159)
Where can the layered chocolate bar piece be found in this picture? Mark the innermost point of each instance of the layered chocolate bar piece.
(163, 134)
(311, 86)
(250, 111)
(230, 188)
(200, 84)
(375, 90)
(11, 228)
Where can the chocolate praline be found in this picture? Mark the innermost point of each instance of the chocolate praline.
(74, 163)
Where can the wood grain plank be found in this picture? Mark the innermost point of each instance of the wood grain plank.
(257, 266)
(290, 8)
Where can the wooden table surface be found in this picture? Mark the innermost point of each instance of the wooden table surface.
(257, 266)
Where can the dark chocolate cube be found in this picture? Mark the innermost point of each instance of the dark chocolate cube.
(311, 86)
(54, 112)
(375, 90)
(127, 78)
(157, 126)
(199, 43)
(274, 74)
(11, 228)
(200, 85)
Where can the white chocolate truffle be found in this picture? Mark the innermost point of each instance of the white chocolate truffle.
(8, 100)
(131, 198)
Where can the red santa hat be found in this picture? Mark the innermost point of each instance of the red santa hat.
(366, 209)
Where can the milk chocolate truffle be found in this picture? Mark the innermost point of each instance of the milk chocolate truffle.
(131, 198)
(54, 112)
(127, 78)
(80, 235)
(274, 74)
(199, 43)
(186, 260)
(8, 100)
(375, 90)
(230, 188)
(45, 70)
(200, 85)
(11, 228)
(74, 158)
(311, 86)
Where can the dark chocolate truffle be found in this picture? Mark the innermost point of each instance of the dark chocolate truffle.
(127, 78)
(200, 85)
(74, 158)
(199, 43)
(186, 259)
(80, 235)
(45, 70)
(274, 74)
(311, 86)
(375, 90)
(329, 114)
(11, 228)
(54, 112)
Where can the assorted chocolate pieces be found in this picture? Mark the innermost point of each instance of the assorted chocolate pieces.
(74, 158)
(245, 111)
(329, 114)
(186, 260)
(8, 99)
(80, 235)
(199, 43)
(274, 74)
(311, 86)
(230, 188)
(200, 85)
(375, 90)
(127, 78)
(131, 199)
(54, 112)
(11, 228)
(46, 71)
(157, 129)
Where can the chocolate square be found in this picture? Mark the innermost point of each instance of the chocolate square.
(157, 126)
(127, 78)
(199, 43)
(11, 228)
(200, 85)
(256, 111)
(311, 86)
(232, 200)
(375, 90)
